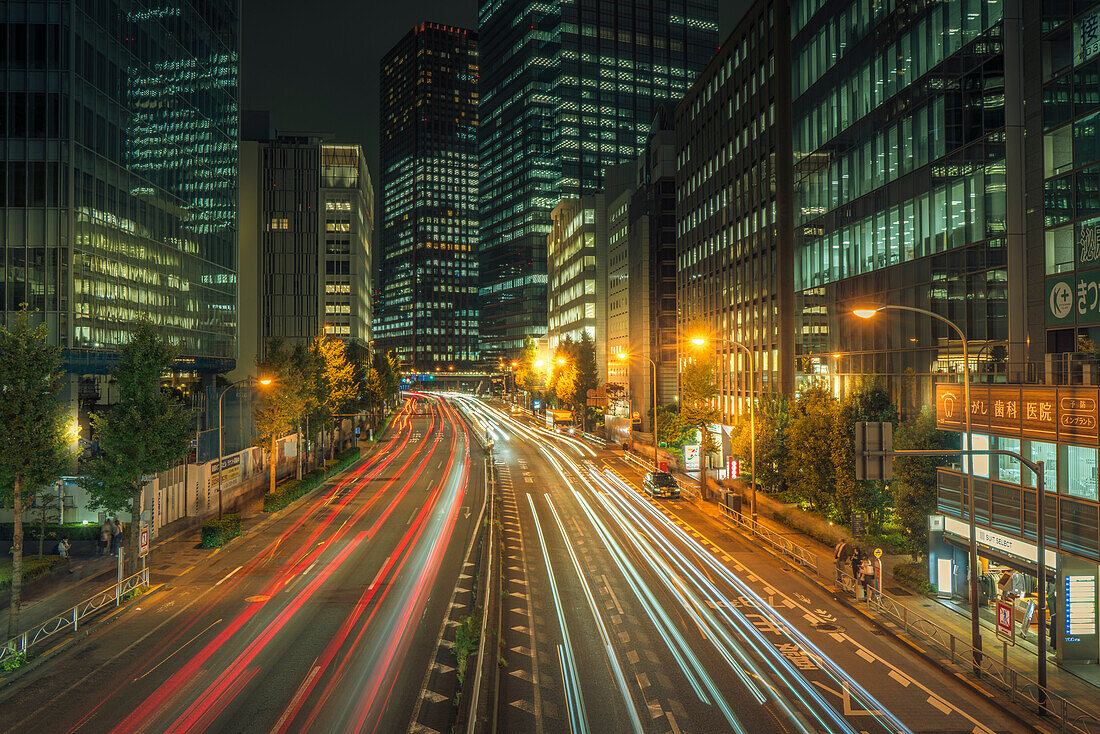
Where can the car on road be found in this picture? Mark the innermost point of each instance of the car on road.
(661, 484)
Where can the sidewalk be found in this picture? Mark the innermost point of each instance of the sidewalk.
(1079, 685)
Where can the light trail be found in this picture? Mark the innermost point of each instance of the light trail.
(578, 719)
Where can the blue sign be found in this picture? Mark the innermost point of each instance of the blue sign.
(536, 404)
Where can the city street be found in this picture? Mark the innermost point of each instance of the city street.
(624, 613)
(326, 618)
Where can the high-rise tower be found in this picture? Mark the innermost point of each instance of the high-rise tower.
(430, 186)
(572, 90)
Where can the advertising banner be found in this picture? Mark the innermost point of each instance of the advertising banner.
(691, 457)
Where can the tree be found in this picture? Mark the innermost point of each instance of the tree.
(144, 433)
(697, 409)
(46, 504)
(283, 402)
(334, 381)
(811, 445)
(34, 441)
(374, 392)
(528, 375)
(670, 432)
(584, 359)
(773, 417)
(867, 400)
(914, 485)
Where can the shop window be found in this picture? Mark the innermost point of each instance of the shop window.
(1008, 468)
(1080, 471)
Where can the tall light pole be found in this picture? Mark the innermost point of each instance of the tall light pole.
(624, 356)
(221, 444)
(700, 341)
(975, 628)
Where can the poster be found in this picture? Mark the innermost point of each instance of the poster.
(691, 457)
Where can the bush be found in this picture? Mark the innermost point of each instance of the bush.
(287, 492)
(217, 533)
(14, 662)
(33, 567)
(913, 576)
(74, 531)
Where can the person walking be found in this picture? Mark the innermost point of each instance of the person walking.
(867, 576)
(116, 536)
(840, 557)
(63, 550)
(105, 537)
(855, 563)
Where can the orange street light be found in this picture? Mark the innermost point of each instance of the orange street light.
(866, 313)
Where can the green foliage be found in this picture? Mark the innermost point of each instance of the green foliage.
(286, 400)
(698, 395)
(867, 400)
(14, 662)
(145, 432)
(467, 636)
(218, 532)
(812, 445)
(773, 419)
(528, 375)
(74, 531)
(914, 576)
(670, 432)
(291, 490)
(914, 485)
(33, 567)
(33, 432)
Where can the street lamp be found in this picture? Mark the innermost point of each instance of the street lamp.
(975, 629)
(624, 357)
(700, 341)
(265, 381)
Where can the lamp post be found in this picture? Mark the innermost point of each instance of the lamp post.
(221, 444)
(624, 356)
(700, 341)
(975, 629)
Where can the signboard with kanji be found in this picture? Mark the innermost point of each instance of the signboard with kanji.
(1006, 627)
(1065, 413)
(143, 542)
(1074, 299)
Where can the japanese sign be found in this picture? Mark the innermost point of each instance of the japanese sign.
(1074, 299)
(1046, 413)
(1086, 36)
(1006, 628)
(691, 457)
(231, 468)
(1088, 244)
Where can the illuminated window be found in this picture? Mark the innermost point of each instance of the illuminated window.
(277, 223)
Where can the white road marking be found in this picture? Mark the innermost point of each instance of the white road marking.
(228, 575)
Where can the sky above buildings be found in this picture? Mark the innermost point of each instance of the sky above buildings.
(314, 64)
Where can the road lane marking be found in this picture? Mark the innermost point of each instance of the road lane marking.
(162, 662)
(902, 679)
(228, 576)
(378, 576)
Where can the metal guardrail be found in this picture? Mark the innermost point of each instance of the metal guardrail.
(111, 596)
(802, 556)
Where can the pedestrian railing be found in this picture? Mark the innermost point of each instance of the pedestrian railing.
(992, 669)
(780, 544)
(75, 616)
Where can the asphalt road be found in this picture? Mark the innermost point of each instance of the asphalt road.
(624, 613)
(326, 618)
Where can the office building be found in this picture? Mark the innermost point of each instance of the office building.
(118, 195)
(641, 273)
(429, 88)
(306, 242)
(572, 91)
(576, 256)
(733, 225)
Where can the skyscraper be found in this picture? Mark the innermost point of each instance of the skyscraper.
(307, 218)
(119, 193)
(430, 188)
(572, 90)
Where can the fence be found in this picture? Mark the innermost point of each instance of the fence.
(111, 596)
(1020, 688)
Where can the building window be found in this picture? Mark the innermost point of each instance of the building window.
(1080, 467)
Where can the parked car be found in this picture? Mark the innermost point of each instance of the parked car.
(661, 484)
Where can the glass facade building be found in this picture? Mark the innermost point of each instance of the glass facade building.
(118, 189)
(908, 187)
(572, 91)
(734, 228)
(429, 308)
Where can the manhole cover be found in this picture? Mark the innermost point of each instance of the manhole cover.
(257, 598)
(826, 627)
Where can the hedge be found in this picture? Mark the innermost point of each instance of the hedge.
(287, 492)
(33, 567)
(914, 576)
(217, 533)
(73, 531)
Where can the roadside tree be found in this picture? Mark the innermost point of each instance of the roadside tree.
(697, 409)
(914, 485)
(34, 441)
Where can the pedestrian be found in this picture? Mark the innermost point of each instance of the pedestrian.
(867, 576)
(116, 536)
(840, 557)
(855, 562)
(105, 537)
(63, 550)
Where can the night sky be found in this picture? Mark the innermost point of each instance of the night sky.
(314, 63)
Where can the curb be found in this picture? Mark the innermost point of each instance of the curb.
(1029, 719)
